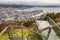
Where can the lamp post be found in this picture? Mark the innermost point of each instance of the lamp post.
(22, 27)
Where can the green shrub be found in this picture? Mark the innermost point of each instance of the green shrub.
(28, 23)
(36, 37)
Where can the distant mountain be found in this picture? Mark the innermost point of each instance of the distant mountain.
(28, 5)
(48, 6)
(14, 5)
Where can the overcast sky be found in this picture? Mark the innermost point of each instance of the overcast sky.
(42, 1)
(31, 1)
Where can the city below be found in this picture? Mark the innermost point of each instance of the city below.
(26, 22)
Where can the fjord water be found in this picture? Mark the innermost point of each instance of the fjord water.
(45, 9)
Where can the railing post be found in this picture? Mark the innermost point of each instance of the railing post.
(48, 34)
(22, 31)
(10, 33)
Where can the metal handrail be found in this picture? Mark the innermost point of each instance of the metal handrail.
(52, 21)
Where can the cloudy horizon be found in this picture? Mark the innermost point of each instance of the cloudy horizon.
(37, 2)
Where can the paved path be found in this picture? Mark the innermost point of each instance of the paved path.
(52, 36)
